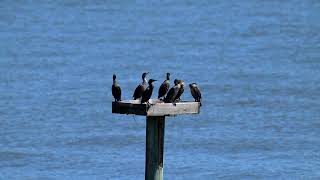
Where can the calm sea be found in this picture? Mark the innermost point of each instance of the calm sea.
(257, 63)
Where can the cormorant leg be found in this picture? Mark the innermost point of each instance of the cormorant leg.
(148, 104)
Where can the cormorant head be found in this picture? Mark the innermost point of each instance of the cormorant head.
(151, 81)
(192, 85)
(168, 76)
(114, 77)
(144, 75)
(176, 82)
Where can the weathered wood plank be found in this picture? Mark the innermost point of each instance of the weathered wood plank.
(169, 109)
(129, 107)
(155, 108)
(154, 147)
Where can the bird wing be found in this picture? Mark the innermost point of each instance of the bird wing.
(193, 93)
(179, 93)
(116, 92)
(176, 91)
(170, 95)
(198, 92)
(146, 95)
(138, 92)
(163, 89)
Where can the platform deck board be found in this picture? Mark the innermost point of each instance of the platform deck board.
(156, 108)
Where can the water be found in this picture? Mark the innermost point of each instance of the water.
(257, 63)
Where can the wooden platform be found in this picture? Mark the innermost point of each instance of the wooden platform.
(155, 113)
(156, 108)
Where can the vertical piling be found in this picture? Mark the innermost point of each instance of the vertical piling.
(155, 127)
(154, 147)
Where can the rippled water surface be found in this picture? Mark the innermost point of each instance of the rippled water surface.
(257, 63)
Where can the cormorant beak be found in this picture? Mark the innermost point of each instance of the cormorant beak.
(144, 75)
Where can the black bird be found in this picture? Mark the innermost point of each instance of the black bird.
(172, 92)
(164, 87)
(141, 87)
(116, 90)
(181, 90)
(146, 95)
(195, 92)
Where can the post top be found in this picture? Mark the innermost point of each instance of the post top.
(156, 108)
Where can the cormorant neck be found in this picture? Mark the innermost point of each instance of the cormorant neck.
(144, 80)
(151, 85)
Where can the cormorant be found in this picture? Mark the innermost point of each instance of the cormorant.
(195, 92)
(181, 90)
(141, 87)
(164, 87)
(116, 90)
(146, 95)
(172, 93)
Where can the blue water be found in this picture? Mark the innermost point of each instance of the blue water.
(257, 63)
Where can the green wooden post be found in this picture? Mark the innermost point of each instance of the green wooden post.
(154, 147)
